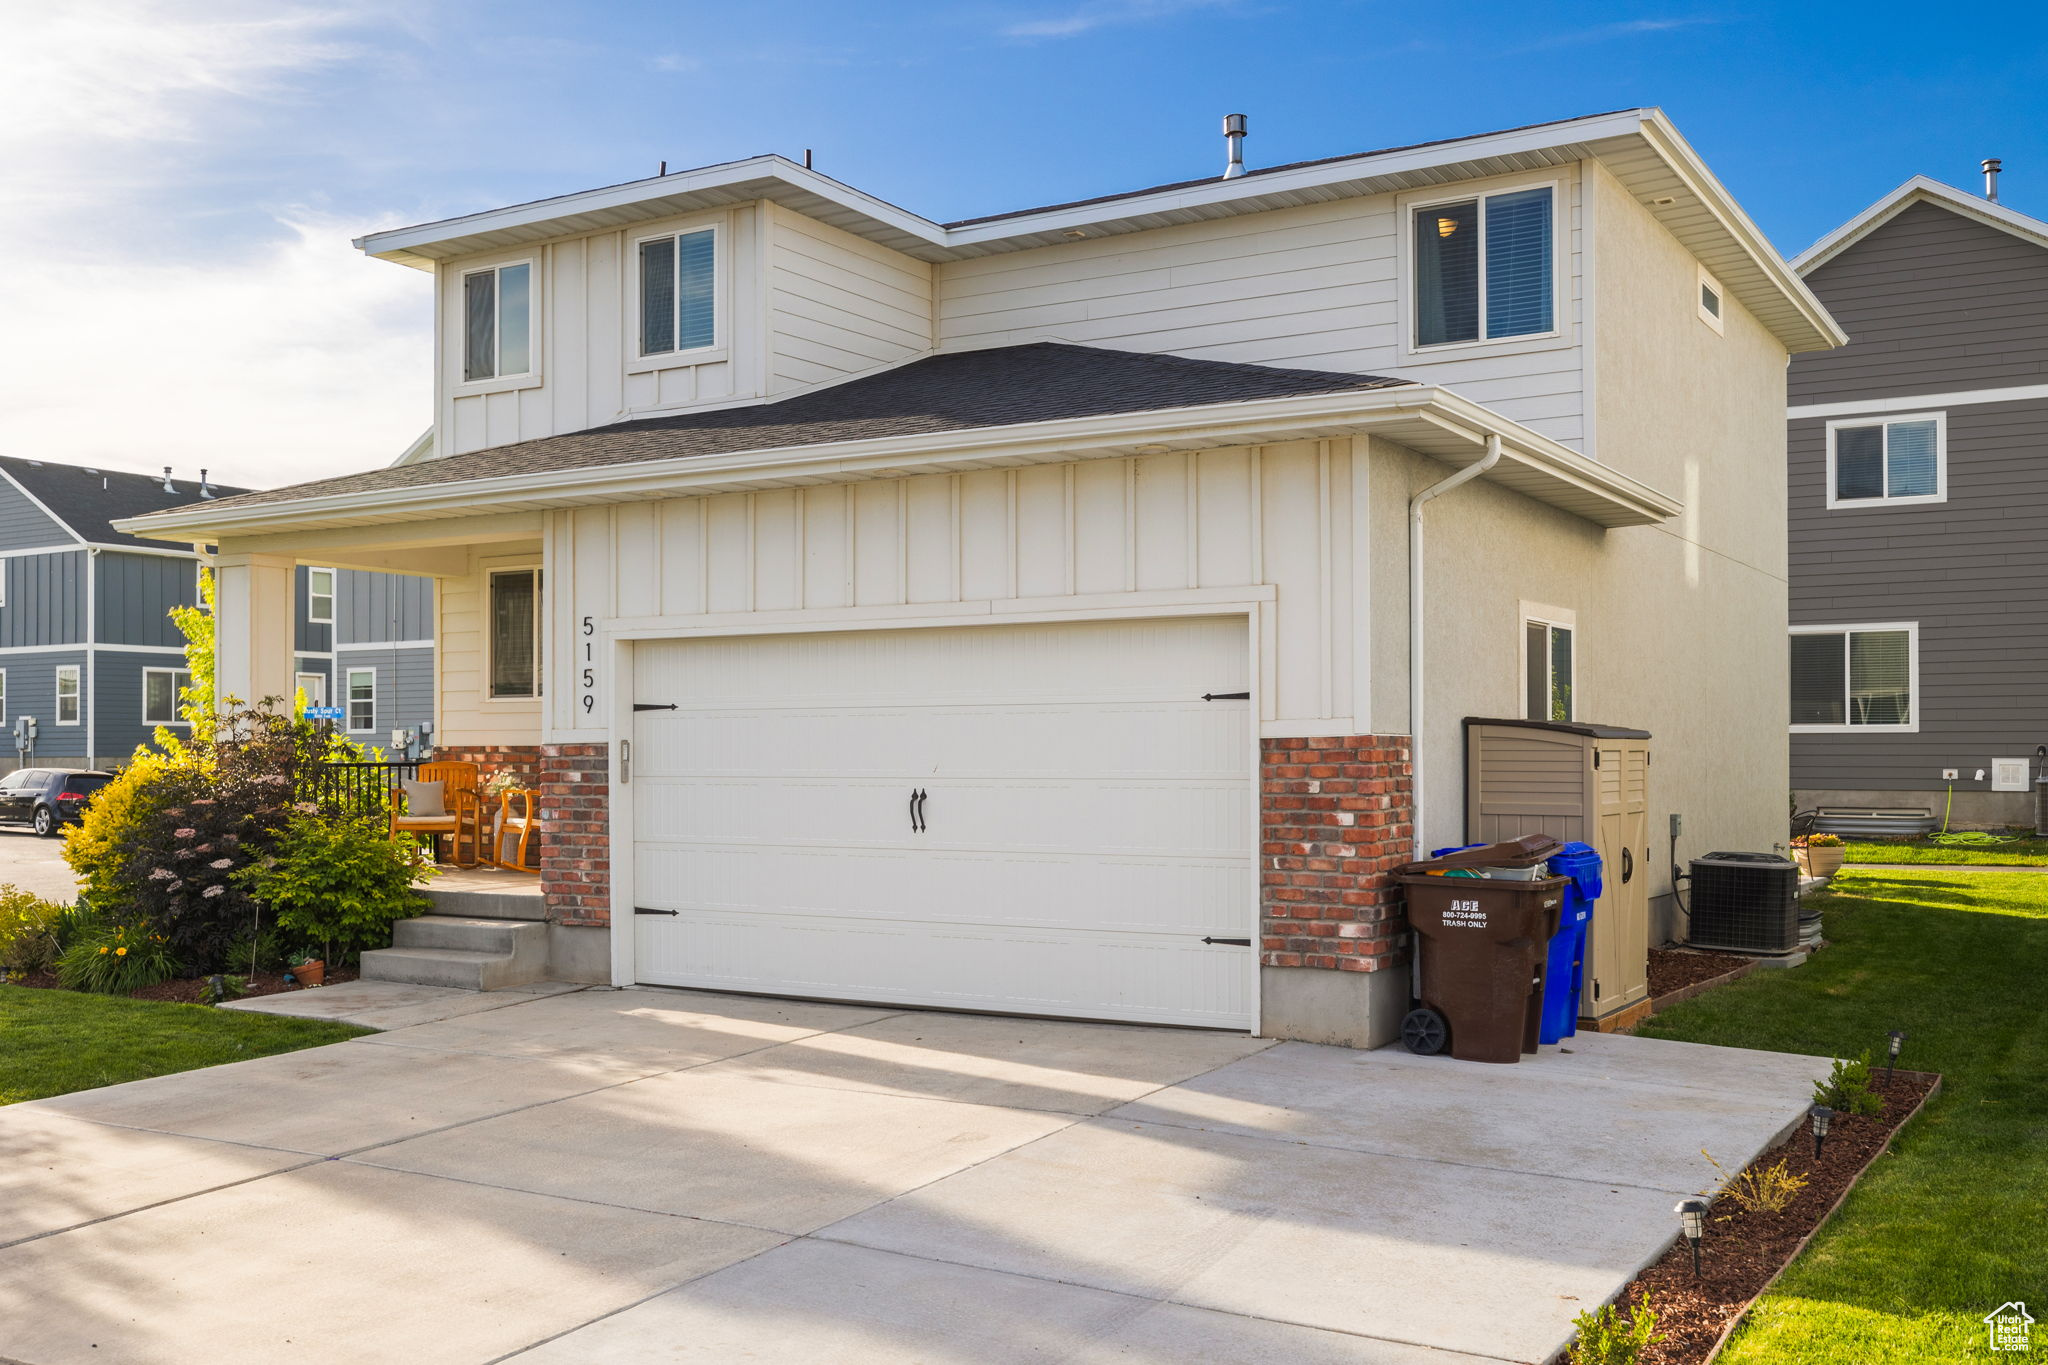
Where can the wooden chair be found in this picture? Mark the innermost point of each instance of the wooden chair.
(526, 824)
(464, 812)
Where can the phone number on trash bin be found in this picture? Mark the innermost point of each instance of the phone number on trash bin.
(1464, 915)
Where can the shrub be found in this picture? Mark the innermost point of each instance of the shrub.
(340, 883)
(114, 959)
(1847, 1088)
(1760, 1188)
(1615, 1336)
(28, 931)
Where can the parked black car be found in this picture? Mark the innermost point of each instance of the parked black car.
(46, 799)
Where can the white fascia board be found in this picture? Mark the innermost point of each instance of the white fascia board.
(1623, 500)
(1920, 189)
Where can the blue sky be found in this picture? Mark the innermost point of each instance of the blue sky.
(184, 176)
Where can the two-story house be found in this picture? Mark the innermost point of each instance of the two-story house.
(1917, 499)
(1075, 611)
(88, 649)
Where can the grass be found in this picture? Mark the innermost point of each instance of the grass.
(1946, 1228)
(54, 1042)
(2018, 853)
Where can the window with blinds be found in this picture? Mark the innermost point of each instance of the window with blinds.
(1484, 268)
(497, 322)
(515, 633)
(1895, 460)
(678, 292)
(1854, 677)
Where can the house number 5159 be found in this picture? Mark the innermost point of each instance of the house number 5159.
(589, 663)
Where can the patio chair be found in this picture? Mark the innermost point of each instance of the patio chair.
(460, 814)
(524, 826)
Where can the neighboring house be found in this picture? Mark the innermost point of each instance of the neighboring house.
(88, 648)
(1918, 496)
(1014, 614)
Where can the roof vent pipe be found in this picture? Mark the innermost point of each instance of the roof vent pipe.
(1233, 137)
(169, 487)
(205, 489)
(1991, 165)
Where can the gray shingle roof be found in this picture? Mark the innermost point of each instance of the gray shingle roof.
(88, 499)
(1004, 386)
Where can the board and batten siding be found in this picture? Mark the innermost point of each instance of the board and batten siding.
(1314, 287)
(45, 599)
(136, 594)
(838, 304)
(1274, 521)
(1933, 303)
(378, 607)
(1973, 571)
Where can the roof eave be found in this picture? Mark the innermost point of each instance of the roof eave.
(1426, 418)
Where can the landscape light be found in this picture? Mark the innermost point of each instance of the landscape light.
(1822, 1116)
(1898, 1037)
(1692, 1220)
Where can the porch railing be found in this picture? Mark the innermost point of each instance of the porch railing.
(361, 788)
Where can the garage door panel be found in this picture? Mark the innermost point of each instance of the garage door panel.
(1170, 896)
(1197, 817)
(1106, 976)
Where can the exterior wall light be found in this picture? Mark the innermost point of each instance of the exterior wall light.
(1822, 1116)
(1692, 1220)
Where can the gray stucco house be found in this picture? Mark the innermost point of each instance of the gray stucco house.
(88, 648)
(1918, 495)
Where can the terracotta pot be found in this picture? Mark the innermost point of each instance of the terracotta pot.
(1824, 861)
(311, 974)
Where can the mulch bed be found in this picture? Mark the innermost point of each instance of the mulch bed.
(192, 990)
(1744, 1252)
(1673, 969)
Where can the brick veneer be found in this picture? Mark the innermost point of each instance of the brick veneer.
(575, 855)
(1335, 819)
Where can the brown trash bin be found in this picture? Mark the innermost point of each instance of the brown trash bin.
(1483, 944)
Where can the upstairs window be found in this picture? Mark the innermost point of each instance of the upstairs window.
(1483, 268)
(320, 596)
(678, 292)
(497, 322)
(1710, 301)
(1854, 677)
(515, 633)
(1889, 460)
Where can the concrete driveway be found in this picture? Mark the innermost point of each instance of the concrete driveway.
(654, 1175)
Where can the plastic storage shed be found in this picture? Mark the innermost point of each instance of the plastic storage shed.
(1589, 783)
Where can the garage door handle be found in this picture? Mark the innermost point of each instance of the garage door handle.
(643, 910)
(1226, 696)
(1230, 942)
(917, 811)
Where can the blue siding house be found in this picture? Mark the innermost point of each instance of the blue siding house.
(87, 646)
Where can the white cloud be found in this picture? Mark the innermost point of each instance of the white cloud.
(1106, 14)
(152, 322)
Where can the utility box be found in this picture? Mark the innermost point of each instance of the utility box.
(1583, 782)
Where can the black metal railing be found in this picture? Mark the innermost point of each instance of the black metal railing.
(361, 788)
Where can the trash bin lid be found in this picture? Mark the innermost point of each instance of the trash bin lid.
(1526, 851)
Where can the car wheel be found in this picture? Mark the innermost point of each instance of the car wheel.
(44, 821)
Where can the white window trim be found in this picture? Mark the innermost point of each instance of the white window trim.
(1717, 321)
(299, 685)
(1913, 698)
(1940, 493)
(458, 308)
(77, 672)
(176, 719)
(1562, 211)
(490, 642)
(348, 702)
(5, 719)
(333, 585)
(1533, 613)
(721, 310)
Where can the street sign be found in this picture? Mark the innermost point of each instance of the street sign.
(323, 713)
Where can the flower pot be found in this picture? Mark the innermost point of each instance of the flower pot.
(310, 973)
(1824, 861)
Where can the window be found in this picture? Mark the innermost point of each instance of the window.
(1855, 677)
(362, 699)
(3, 696)
(320, 596)
(1710, 301)
(515, 633)
(677, 282)
(497, 321)
(1547, 669)
(162, 689)
(67, 695)
(1888, 460)
(1483, 268)
(313, 687)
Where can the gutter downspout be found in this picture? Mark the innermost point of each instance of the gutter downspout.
(1415, 669)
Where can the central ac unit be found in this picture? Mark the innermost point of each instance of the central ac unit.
(1745, 903)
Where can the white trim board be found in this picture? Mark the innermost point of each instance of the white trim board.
(379, 644)
(81, 647)
(1872, 407)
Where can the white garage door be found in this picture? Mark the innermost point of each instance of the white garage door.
(1085, 819)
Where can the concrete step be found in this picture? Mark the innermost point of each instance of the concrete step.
(489, 904)
(465, 951)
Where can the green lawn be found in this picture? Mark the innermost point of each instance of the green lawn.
(54, 1042)
(1948, 1227)
(2019, 853)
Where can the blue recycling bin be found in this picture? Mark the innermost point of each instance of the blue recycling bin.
(1564, 971)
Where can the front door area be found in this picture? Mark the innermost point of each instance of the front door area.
(1040, 819)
